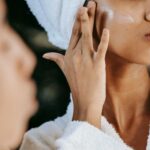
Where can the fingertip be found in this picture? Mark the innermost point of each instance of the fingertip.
(84, 15)
(91, 11)
(45, 56)
(91, 4)
(83, 10)
(79, 12)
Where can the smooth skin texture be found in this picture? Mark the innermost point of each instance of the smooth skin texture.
(17, 90)
(123, 97)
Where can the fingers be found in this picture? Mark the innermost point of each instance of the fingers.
(103, 46)
(87, 39)
(57, 58)
(91, 12)
(76, 33)
(102, 22)
(102, 17)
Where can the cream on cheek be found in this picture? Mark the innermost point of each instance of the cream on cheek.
(123, 18)
(118, 17)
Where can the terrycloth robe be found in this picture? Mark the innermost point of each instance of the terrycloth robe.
(65, 134)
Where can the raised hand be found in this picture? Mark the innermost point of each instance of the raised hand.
(84, 67)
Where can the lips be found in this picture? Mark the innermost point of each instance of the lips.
(147, 36)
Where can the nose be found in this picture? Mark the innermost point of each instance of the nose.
(147, 16)
(28, 62)
(24, 58)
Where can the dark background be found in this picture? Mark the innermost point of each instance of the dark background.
(53, 90)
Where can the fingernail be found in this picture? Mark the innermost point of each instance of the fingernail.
(90, 4)
(45, 56)
(81, 11)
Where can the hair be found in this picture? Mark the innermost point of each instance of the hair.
(86, 2)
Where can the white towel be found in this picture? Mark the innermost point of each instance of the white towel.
(57, 18)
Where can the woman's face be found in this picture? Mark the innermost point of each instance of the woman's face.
(129, 25)
(17, 90)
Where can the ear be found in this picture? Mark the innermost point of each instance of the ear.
(3, 11)
(86, 2)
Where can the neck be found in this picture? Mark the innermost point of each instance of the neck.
(127, 91)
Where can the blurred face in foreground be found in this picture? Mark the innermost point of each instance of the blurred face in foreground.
(17, 90)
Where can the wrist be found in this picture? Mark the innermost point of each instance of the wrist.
(90, 115)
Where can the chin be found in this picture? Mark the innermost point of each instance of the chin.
(141, 54)
(143, 58)
(139, 60)
(134, 56)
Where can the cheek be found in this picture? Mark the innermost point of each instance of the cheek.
(121, 26)
(125, 35)
(122, 18)
(120, 39)
(121, 29)
(127, 42)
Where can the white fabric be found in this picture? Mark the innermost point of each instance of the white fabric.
(64, 134)
(57, 18)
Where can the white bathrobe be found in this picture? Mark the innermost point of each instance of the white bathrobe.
(57, 18)
(65, 134)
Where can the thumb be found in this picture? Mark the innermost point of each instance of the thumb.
(56, 57)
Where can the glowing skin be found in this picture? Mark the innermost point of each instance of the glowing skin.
(123, 18)
(120, 18)
(130, 18)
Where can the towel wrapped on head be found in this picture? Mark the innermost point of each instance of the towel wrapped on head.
(57, 18)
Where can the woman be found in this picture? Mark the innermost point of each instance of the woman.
(109, 81)
(17, 90)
